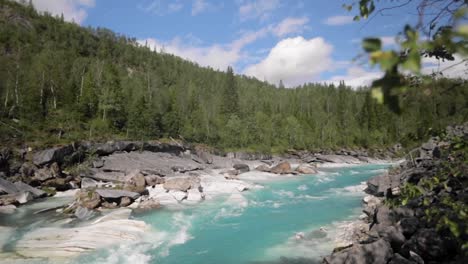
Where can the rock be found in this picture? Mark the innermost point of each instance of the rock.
(213, 185)
(409, 226)
(83, 213)
(43, 174)
(60, 184)
(87, 183)
(204, 155)
(135, 182)
(378, 252)
(23, 197)
(98, 163)
(51, 155)
(263, 168)
(8, 199)
(338, 159)
(125, 201)
(109, 205)
(398, 259)
(382, 185)
(79, 240)
(7, 209)
(282, 168)
(230, 174)
(115, 194)
(28, 169)
(7, 186)
(178, 195)
(242, 168)
(179, 183)
(88, 199)
(152, 180)
(118, 214)
(149, 204)
(306, 169)
(392, 235)
(430, 245)
(23, 187)
(194, 195)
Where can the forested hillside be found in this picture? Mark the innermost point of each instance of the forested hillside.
(62, 82)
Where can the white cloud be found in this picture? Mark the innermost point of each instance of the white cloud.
(457, 68)
(262, 9)
(338, 20)
(356, 77)
(199, 6)
(162, 7)
(294, 61)
(290, 25)
(72, 10)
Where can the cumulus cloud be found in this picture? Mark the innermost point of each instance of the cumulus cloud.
(294, 61)
(457, 68)
(338, 20)
(262, 9)
(72, 10)
(290, 25)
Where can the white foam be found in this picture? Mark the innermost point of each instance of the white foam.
(354, 190)
(302, 187)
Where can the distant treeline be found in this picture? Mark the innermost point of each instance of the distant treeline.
(63, 82)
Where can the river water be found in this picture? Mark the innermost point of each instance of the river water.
(257, 226)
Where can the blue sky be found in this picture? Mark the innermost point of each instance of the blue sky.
(295, 41)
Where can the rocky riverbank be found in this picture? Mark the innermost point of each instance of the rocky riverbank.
(416, 213)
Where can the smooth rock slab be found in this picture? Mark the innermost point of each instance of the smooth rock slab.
(70, 242)
(110, 193)
(7, 186)
(23, 187)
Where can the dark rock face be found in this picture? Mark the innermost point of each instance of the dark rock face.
(378, 252)
(409, 226)
(51, 155)
(242, 168)
(430, 245)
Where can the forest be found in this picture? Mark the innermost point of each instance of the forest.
(60, 82)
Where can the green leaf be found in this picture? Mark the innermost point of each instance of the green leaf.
(413, 62)
(377, 94)
(371, 44)
(356, 18)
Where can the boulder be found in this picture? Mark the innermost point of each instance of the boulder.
(149, 204)
(23, 187)
(179, 183)
(242, 168)
(109, 205)
(115, 194)
(306, 169)
(60, 184)
(135, 182)
(383, 184)
(282, 168)
(51, 155)
(152, 180)
(28, 169)
(7, 187)
(98, 163)
(88, 199)
(409, 226)
(378, 252)
(8, 199)
(87, 183)
(392, 235)
(263, 167)
(125, 201)
(399, 259)
(7, 209)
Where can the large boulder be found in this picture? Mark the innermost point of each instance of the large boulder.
(23, 187)
(135, 182)
(282, 168)
(263, 167)
(383, 185)
(306, 169)
(57, 154)
(116, 194)
(181, 183)
(378, 252)
(241, 168)
(149, 204)
(7, 187)
(28, 169)
(88, 199)
(204, 155)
